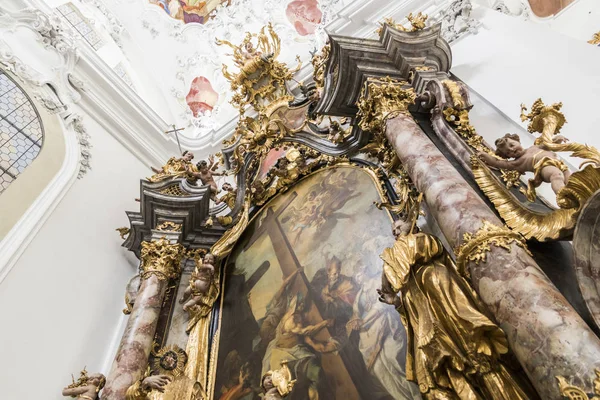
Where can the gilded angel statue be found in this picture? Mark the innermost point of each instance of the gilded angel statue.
(176, 168)
(545, 164)
(86, 387)
(454, 349)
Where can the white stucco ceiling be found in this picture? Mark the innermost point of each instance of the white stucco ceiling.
(163, 55)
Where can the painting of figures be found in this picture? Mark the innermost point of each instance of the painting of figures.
(300, 286)
(197, 11)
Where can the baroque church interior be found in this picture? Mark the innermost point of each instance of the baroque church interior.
(299, 199)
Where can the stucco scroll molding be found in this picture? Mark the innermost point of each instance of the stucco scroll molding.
(522, 11)
(457, 21)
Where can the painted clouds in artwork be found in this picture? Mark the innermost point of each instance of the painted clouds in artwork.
(305, 15)
(201, 97)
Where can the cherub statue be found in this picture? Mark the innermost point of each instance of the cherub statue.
(248, 53)
(336, 133)
(206, 173)
(200, 282)
(545, 164)
(453, 348)
(277, 384)
(175, 168)
(166, 379)
(229, 196)
(86, 387)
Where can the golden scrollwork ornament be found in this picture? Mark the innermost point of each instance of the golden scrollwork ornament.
(161, 258)
(417, 23)
(573, 392)
(476, 246)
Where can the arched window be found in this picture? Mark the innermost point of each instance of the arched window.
(21, 131)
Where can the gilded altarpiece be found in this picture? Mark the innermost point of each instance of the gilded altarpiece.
(301, 286)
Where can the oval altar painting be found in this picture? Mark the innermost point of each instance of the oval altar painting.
(300, 286)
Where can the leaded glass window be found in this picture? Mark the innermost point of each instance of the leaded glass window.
(82, 26)
(21, 131)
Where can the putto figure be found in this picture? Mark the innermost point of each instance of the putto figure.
(176, 168)
(166, 380)
(86, 387)
(200, 283)
(453, 348)
(229, 196)
(545, 164)
(206, 172)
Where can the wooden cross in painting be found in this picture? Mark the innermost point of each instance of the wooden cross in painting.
(333, 365)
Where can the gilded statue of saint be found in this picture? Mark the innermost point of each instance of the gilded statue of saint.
(176, 168)
(166, 379)
(453, 347)
(86, 387)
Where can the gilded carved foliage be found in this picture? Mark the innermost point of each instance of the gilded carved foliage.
(573, 392)
(161, 258)
(476, 246)
(417, 23)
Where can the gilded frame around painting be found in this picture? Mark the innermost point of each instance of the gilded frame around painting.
(384, 191)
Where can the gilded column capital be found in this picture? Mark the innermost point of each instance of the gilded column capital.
(476, 245)
(382, 99)
(161, 258)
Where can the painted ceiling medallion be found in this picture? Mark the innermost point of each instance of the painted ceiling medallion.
(202, 97)
(305, 15)
(188, 11)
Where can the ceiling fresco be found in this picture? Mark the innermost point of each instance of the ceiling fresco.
(548, 8)
(190, 11)
(171, 48)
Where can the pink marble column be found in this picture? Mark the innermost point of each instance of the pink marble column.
(546, 334)
(132, 356)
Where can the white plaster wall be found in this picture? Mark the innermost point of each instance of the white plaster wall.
(510, 62)
(580, 20)
(60, 306)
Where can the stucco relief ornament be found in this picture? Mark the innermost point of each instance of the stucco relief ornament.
(76, 122)
(457, 21)
(521, 11)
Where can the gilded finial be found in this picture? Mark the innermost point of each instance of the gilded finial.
(124, 231)
(417, 23)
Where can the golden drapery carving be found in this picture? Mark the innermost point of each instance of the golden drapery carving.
(453, 347)
(175, 168)
(161, 258)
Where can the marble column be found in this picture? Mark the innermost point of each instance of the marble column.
(545, 333)
(159, 262)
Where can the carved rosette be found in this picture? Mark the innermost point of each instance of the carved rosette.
(382, 99)
(161, 258)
